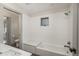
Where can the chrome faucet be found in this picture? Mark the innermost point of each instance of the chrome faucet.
(70, 49)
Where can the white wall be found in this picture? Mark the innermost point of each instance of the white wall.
(58, 32)
(25, 27)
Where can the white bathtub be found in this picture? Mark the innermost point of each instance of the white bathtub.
(50, 50)
(6, 50)
(44, 49)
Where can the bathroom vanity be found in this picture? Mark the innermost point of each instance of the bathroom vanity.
(6, 50)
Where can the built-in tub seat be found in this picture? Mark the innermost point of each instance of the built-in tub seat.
(30, 46)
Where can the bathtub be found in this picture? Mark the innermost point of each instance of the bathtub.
(50, 50)
(44, 49)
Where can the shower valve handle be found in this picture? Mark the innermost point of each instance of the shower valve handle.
(71, 49)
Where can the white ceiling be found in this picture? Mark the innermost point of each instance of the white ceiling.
(35, 8)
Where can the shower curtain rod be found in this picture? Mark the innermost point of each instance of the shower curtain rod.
(11, 10)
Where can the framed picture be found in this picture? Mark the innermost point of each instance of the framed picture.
(45, 21)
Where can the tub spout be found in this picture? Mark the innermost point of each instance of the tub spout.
(66, 46)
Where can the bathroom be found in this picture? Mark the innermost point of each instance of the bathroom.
(42, 29)
(48, 40)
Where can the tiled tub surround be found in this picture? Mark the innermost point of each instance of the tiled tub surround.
(6, 50)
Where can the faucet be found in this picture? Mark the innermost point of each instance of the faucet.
(70, 49)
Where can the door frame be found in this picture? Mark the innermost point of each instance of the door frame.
(75, 27)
